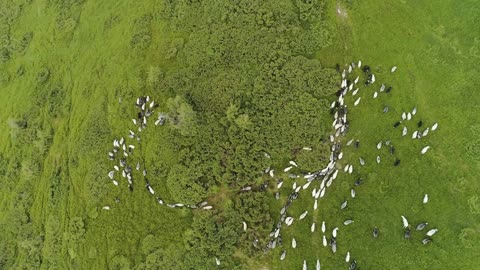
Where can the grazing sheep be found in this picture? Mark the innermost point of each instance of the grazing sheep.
(353, 265)
(322, 193)
(424, 150)
(289, 221)
(343, 205)
(432, 232)
(407, 233)
(358, 182)
(334, 245)
(426, 241)
(397, 162)
(334, 176)
(347, 222)
(425, 199)
(357, 101)
(279, 184)
(405, 222)
(425, 132)
(334, 232)
(362, 161)
(160, 201)
(421, 226)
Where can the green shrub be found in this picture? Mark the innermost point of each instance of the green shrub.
(21, 45)
(4, 55)
(119, 262)
(181, 115)
(150, 244)
(472, 149)
(43, 75)
(20, 70)
(185, 184)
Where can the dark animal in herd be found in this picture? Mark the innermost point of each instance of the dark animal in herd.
(397, 162)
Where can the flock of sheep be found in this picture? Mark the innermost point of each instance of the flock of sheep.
(122, 152)
(327, 175)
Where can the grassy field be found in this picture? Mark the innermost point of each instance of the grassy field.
(70, 62)
(435, 46)
(92, 77)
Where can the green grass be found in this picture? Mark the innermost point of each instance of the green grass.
(93, 76)
(53, 172)
(435, 48)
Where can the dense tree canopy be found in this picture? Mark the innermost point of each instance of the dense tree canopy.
(237, 80)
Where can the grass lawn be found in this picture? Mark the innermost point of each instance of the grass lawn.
(84, 56)
(436, 48)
